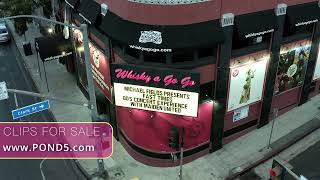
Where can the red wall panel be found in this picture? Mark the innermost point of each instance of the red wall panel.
(286, 100)
(254, 113)
(316, 89)
(207, 73)
(246, 6)
(117, 59)
(165, 14)
(150, 130)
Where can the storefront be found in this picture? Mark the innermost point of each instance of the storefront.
(152, 101)
(236, 70)
(297, 56)
(293, 62)
(246, 87)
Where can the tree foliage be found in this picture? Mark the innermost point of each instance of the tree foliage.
(17, 7)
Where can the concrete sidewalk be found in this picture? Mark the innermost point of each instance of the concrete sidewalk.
(233, 157)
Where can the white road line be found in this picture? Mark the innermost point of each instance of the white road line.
(41, 171)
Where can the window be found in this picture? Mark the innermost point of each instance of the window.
(182, 55)
(158, 57)
(207, 52)
(132, 52)
(290, 30)
(207, 91)
(239, 43)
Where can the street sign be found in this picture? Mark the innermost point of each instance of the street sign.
(31, 109)
(3, 91)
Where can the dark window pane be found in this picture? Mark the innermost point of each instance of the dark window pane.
(206, 52)
(182, 55)
(132, 52)
(158, 57)
(207, 90)
(242, 42)
(290, 30)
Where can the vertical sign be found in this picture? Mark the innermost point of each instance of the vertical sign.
(316, 74)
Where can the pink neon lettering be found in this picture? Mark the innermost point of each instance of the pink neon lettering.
(124, 74)
(170, 80)
(187, 82)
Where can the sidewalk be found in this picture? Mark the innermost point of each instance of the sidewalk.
(216, 166)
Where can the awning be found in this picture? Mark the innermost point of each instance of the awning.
(72, 3)
(255, 24)
(203, 34)
(53, 47)
(303, 14)
(89, 10)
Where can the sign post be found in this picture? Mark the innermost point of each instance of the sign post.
(3, 91)
(181, 154)
(31, 109)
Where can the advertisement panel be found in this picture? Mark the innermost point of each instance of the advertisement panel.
(246, 83)
(292, 66)
(78, 43)
(161, 90)
(99, 64)
(316, 74)
(240, 113)
(100, 70)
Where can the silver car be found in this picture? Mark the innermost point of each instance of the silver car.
(4, 33)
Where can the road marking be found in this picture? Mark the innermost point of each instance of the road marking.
(41, 171)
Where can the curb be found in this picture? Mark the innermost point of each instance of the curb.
(13, 36)
(274, 152)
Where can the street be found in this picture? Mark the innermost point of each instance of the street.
(308, 163)
(13, 72)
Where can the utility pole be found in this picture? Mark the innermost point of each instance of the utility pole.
(92, 95)
(92, 98)
(181, 154)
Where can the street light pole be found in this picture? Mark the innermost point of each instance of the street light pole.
(93, 105)
(92, 95)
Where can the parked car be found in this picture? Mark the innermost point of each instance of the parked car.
(4, 33)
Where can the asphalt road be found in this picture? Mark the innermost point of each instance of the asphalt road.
(307, 163)
(13, 72)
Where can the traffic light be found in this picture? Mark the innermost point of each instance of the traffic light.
(174, 138)
(277, 171)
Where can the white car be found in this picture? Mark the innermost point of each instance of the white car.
(4, 33)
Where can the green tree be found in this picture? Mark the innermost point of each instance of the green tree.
(47, 8)
(17, 7)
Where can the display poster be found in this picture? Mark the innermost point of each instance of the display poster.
(100, 70)
(99, 64)
(240, 113)
(292, 67)
(316, 74)
(78, 43)
(246, 83)
(161, 90)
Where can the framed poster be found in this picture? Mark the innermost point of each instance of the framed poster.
(316, 74)
(292, 66)
(240, 113)
(246, 83)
